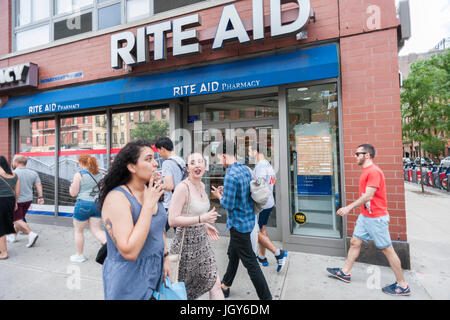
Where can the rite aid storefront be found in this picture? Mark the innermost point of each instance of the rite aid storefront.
(281, 76)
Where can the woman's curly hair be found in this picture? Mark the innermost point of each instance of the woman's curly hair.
(118, 173)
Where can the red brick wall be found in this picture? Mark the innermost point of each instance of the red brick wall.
(5, 139)
(371, 114)
(5, 27)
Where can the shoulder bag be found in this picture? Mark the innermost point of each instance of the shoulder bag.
(260, 192)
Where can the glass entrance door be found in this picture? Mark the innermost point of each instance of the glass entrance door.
(259, 132)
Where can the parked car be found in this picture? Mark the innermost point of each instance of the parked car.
(445, 162)
(406, 161)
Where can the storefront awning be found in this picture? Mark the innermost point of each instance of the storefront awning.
(298, 66)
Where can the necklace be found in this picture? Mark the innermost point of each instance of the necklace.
(199, 190)
(130, 191)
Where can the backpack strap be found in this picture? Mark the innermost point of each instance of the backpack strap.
(180, 167)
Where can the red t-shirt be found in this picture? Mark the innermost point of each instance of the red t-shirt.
(372, 176)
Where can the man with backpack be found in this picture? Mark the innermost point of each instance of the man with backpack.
(173, 169)
(235, 196)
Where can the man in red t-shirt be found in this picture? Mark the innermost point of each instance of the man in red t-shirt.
(372, 223)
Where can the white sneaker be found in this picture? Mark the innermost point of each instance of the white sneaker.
(32, 237)
(11, 237)
(78, 258)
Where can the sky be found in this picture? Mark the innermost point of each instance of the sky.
(430, 23)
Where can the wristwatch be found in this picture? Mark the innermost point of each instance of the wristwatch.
(166, 254)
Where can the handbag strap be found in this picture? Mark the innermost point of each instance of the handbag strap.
(252, 173)
(96, 182)
(188, 208)
(8, 184)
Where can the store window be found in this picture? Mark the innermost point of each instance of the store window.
(34, 37)
(70, 6)
(138, 9)
(29, 11)
(237, 105)
(146, 128)
(77, 138)
(109, 16)
(314, 161)
(72, 26)
(36, 141)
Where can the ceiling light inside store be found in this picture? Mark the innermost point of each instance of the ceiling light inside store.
(302, 89)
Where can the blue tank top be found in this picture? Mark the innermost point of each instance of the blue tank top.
(136, 280)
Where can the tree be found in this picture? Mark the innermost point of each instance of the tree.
(151, 131)
(425, 103)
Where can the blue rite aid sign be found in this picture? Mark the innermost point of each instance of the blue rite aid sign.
(300, 218)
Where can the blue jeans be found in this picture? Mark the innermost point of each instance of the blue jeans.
(85, 210)
(376, 229)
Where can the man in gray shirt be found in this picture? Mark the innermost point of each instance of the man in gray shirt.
(173, 169)
(28, 179)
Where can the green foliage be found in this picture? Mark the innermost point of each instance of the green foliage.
(434, 146)
(151, 131)
(425, 103)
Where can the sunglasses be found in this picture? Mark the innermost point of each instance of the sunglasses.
(358, 153)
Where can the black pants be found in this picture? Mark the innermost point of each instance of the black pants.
(240, 248)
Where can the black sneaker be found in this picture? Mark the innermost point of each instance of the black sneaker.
(339, 274)
(226, 292)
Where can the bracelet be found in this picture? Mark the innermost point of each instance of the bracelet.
(40, 197)
(166, 254)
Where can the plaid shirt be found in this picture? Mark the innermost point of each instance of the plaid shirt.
(237, 199)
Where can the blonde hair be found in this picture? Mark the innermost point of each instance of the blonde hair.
(89, 162)
(20, 159)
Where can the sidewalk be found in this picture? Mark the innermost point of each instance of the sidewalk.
(45, 271)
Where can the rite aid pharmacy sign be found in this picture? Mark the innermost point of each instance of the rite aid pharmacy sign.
(131, 49)
(19, 76)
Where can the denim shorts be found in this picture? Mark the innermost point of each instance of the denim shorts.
(85, 210)
(376, 229)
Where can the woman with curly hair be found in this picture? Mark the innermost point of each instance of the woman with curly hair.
(85, 188)
(135, 220)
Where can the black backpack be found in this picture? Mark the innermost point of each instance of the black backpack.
(184, 173)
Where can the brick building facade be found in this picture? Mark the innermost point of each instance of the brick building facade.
(362, 103)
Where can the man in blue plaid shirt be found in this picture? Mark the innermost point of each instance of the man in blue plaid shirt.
(235, 197)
